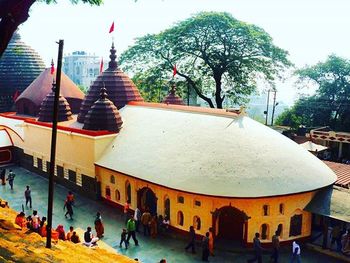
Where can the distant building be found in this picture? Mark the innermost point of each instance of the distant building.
(81, 67)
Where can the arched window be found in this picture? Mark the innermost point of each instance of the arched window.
(117, 195)
(167, 206)
(180, 218)
(280, 230)
(127, 192)
(282, 209)
(197, 223)
(296, 223)
(108, 192)
(264, 231)
(112, 179)
(266, 211)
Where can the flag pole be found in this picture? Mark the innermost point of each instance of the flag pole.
(53, 144)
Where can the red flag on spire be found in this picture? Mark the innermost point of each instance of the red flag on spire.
(16, 95)
(174, 70)
(101, 66)
(111, 29)
(52, 67)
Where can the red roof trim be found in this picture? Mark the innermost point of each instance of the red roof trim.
(212, 111)
(70, 129)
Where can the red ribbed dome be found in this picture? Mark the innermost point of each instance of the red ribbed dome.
(103, 115)
(172, 98)
(46, 108)
(119, 86)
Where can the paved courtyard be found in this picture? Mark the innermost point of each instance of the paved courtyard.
(149, 251)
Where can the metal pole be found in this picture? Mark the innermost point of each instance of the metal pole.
(53, 145)
(273, 107)
(267, 106)
(188, 95)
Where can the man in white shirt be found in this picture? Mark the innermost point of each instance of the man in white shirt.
(296, 253)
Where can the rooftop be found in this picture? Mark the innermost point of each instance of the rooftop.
(178, 146)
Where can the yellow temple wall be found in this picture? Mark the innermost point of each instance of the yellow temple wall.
(74, 151)
(252, 207)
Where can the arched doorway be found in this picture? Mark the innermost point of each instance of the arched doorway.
(146, 199)
(167, 207)
(229, 223)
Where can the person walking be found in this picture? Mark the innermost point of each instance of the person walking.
(146, 220)
(126, 211)
(11, 178)
(205, 247)
(99, 225)
(131, 227)
(295, 253)
(153, 226)
(137, 217)
(123, 239)
(68, 205)
(257, 249)
(191, 243)
(28, 196)
(275, 247)
(2, 176)
(211, 241)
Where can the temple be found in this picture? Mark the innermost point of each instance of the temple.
(210, 168)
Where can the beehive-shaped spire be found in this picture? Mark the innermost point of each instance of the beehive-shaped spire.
(103, 115)
(119, 86)
(172, 98)
(46, 108)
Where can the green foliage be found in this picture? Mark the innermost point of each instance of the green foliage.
(91, 2)
(330, 106)
(215, 54)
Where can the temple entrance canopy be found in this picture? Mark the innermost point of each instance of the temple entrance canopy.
(229, 224)
(146, 199)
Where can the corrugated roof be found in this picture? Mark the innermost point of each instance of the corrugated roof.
(211, 153)
(342, 171)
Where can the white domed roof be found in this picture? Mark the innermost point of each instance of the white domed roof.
(211, 154)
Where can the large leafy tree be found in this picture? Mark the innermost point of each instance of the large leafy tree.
(15, 12)
(330, 106)
(216, 54)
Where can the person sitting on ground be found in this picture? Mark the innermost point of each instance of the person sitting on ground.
(163, 260)
(35, 221)
(89, 239)
(42, 228)
(70, 233)
(21, 220)
(123, 239)
(75, 238)
(61, 232)
(29, 222)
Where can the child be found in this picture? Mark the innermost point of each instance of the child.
(123, 239)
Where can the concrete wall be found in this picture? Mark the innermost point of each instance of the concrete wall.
(253, 208)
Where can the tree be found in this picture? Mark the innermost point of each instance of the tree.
(216, 54)
(15, 12)
(330, 104)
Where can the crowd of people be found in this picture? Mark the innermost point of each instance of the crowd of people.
(152, 225)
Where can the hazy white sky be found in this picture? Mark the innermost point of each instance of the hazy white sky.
(309, 30)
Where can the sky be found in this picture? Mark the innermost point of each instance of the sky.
(309, 30)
